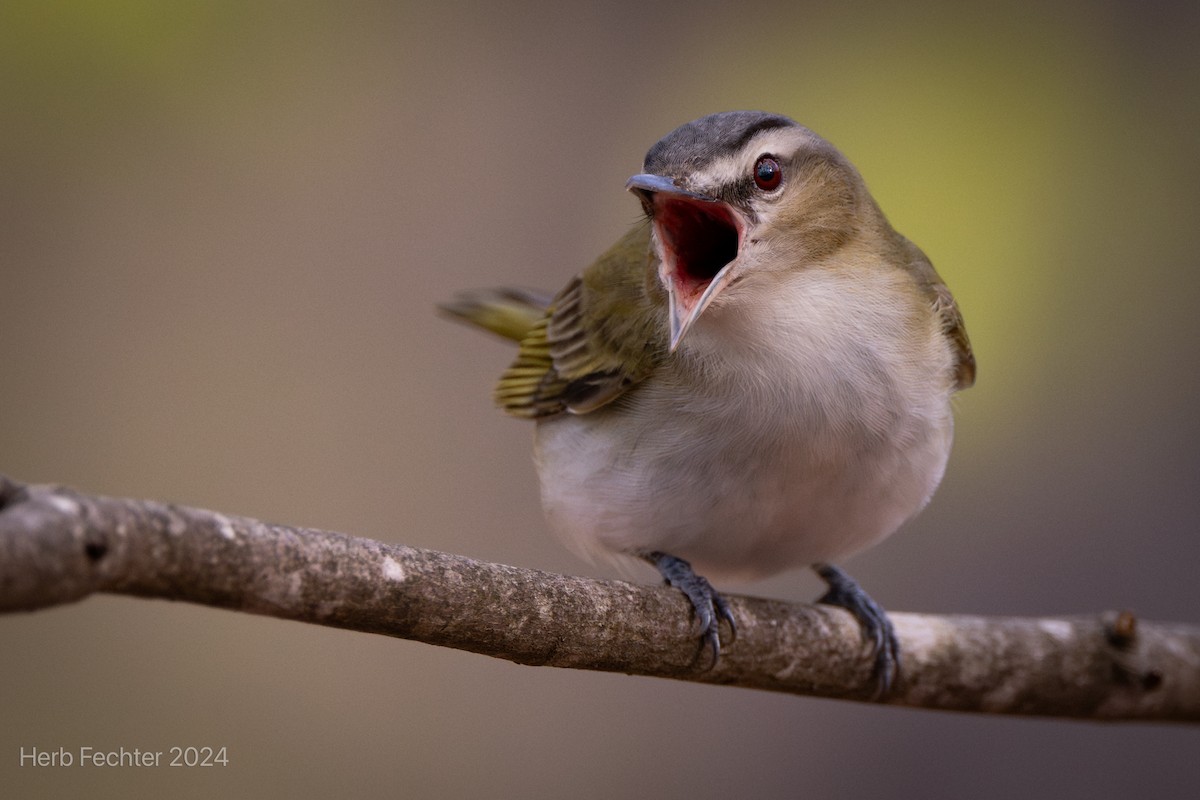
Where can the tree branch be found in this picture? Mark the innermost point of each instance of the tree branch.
(59, 546)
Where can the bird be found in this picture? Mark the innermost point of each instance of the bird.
(756, 377)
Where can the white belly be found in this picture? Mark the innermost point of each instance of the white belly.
(736, 509)
(777, 459)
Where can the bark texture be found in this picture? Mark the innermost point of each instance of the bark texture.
(59, 546)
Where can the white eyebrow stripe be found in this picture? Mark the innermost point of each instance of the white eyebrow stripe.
(726, 169)
(777, 141)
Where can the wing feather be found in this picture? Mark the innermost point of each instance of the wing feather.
(602, 334)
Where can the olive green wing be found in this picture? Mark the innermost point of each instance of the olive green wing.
(946, 308)
(603, 333)
(947, 311)
(956, 331)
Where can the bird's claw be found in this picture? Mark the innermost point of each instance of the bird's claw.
(877, 629)
(708, 606)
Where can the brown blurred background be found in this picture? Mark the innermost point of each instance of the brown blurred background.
(223, 230)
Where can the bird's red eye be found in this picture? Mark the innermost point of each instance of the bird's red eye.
(767, 173)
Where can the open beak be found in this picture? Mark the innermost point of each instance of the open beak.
(698, 238)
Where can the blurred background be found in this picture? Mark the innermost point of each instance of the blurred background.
(223, 230)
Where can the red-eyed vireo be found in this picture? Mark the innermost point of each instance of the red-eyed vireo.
(756, 377)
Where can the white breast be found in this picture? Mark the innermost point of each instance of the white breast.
(803, 424)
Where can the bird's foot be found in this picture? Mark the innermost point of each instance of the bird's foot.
(709, 607)
(877, 629)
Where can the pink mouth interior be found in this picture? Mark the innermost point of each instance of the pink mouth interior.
(698, 239)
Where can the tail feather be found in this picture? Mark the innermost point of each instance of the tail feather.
(508, 312)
